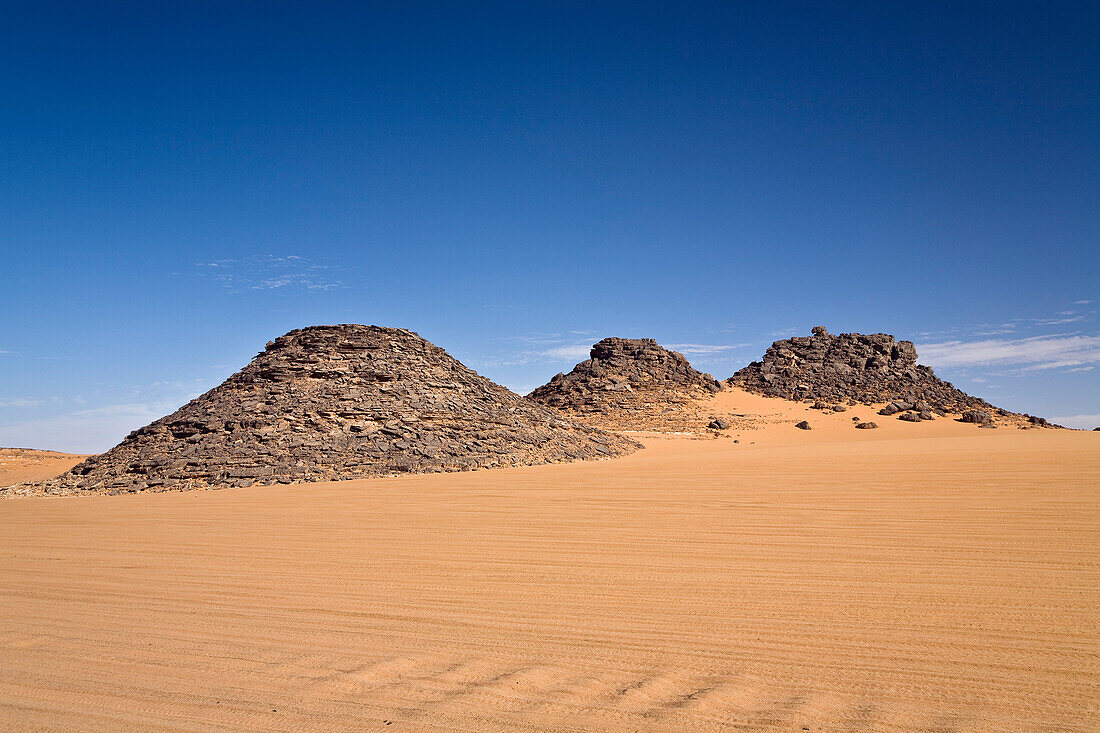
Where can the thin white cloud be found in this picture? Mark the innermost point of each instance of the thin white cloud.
(1065, 318)
(534, 339)
(1036, 352)
(576, 352)
(1081, 422)
(85, 431)
(269, 272)
(20, 402)
(1083, 302)
(704, 348)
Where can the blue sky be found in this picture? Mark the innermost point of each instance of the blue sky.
(514, 181)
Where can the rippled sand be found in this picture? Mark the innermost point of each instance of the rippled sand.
(918, 577)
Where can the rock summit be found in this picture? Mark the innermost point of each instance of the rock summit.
(629, 384)
(851, 367)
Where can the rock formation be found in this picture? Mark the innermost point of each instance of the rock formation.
(855, 368)
(339, 402)
(630, 384)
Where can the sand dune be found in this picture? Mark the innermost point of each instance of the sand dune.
(930, 576)
(23, 464)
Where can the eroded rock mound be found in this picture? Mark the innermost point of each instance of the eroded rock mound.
(851, 367)
(339, 402)
(633, 384)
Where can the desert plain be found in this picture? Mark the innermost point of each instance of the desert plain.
(924, 576)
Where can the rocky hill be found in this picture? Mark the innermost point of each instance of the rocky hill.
(852, 368)
(339, 402)
(632, 384)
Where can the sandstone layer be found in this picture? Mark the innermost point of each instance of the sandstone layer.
(339, 402)
(631, 384)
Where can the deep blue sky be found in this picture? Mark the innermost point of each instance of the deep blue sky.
(181, 183)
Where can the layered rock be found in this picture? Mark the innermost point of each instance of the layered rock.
(853, 368)
(340, 402)
(630, 384)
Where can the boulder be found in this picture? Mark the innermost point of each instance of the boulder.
(866, 426)
(803, 425)
(978, 417)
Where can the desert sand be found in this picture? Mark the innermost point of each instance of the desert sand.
(919, 577)
(23, 464)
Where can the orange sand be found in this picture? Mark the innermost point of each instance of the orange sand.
(917, 577)
(23, 464)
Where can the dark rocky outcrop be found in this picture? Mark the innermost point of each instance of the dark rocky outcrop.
(629, 384)
(803, 425)
(978, 417)
(340, 402)
(854, 368)
(866, 426)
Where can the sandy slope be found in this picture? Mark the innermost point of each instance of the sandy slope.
(23, 464)
(918, 577)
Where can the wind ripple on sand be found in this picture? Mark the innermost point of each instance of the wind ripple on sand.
(941, 584)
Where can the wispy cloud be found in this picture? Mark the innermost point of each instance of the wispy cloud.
(1036, 352)
(703, 349)
(542, 347)
(271, 272)
(20, 402)
(86, 431)
(1081, 422)
(575, 352)
(1070, 315)
(565, 347)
